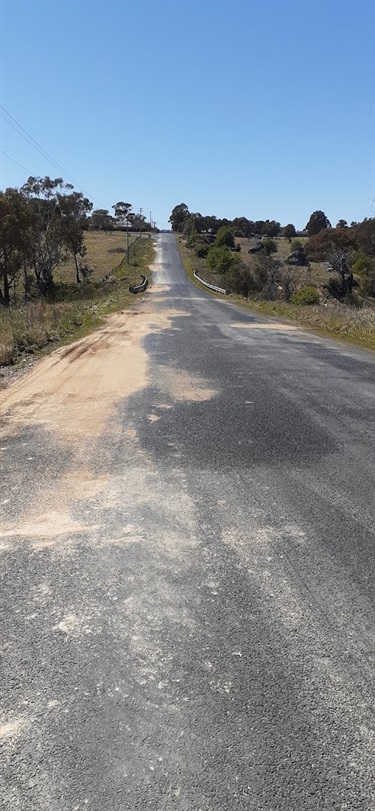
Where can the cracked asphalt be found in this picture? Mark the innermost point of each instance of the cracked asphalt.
(187, 565)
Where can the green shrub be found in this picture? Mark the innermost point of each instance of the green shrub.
(296, 245)
(240, 279)
(367, 282)
(221, 259)
(308, 294)
(269, 245)
(224, 238)
(201, 249)
(200, 246)
(364, 268)
(362, 263)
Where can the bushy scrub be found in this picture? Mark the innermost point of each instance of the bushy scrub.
(240, 279)
(364, 268)
(296, 245)
(269, 245)
(361, 263)
(306, 295)
(225, 238)
(199, 245)
(220, 260)
(368, 282)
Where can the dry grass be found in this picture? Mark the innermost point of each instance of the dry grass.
(334, 320)
(30, 328)
(105, 251)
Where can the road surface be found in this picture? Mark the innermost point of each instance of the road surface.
(188, 565)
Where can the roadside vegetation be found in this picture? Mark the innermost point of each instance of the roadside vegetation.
(61, 268)
(323, 277)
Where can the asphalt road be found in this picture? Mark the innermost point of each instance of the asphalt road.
(187, 591)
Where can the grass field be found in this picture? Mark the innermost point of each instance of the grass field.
(105, 251)
(331, 319)
(30, 329)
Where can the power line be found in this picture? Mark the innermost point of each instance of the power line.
(30, 140)
(28, 137)
(14, 161)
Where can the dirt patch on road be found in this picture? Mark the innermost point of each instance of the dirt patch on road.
(181, 386)
(75, 390)
(48, 525)
(12, 728)
(74, 395)
(270, 325)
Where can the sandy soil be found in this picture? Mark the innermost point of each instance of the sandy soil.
(71, 390)
(75, 389)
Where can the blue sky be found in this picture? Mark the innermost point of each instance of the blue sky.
(241, 108)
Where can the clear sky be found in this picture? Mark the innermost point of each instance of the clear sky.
(256, 108)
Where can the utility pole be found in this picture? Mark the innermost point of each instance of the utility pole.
(150, 220)
(140, 221)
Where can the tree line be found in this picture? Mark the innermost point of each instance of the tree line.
(349, 252)
(184, 221)
(102, 220)
(42, 225)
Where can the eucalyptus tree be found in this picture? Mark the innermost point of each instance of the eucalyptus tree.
(49, 248)
(101, 220)
(122, 211)
(16, 241)
(74, 211)
(178, 216)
